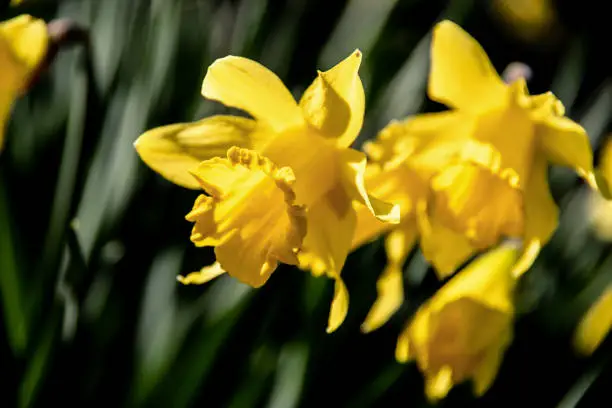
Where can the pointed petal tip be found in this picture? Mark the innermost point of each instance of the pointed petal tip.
(366, 328)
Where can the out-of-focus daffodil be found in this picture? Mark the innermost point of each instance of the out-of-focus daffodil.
(23, 45)
(595, 324)
(599, 210)
(485, 161)
(528, 19)
(280, 187)
(463, 331)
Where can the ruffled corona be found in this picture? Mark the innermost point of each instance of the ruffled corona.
(249, 215)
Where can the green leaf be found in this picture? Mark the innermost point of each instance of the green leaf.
(10, 284)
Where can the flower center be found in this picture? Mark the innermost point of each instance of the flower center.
(313, 160)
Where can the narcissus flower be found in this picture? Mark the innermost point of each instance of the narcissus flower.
(595, 325)
(485, 161)
(528, 19)
(280, 187)
(599, 209)
(23, 45)
(462, 332)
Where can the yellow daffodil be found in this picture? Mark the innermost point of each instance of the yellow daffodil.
(528, 19)
(599, 209)
(484, 161)
(280, 187)
(595, 325)
(462, 332)
(23, 45)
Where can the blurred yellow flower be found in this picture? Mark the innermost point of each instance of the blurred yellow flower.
(595, 324)
(484, 162)
(23, 45)
(528, 19)
(281, 186)
(463, 331)
(599, 210)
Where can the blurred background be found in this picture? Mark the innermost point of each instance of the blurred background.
(91, 240)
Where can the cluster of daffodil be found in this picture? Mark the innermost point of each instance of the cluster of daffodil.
(285, 186)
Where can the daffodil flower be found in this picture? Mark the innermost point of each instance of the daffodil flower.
(23, 45)
(281, 187)
(530, 19)
(595, 324)
(484, 162)
(462, 332)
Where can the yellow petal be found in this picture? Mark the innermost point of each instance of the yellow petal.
(528, 256)
(412, 342)
(353, 165)
(331, 224)
(595, 325)
(443, 138)
(390, 285)
(541, 213)
(313, 159)
(339, 306)
(565, 142)
(489, 366)
(603, 173)
(26, 40)
(510, 133)
(472, 200)
(442, 247)
(6, 102)
(438, 385)
(400, 140)
(398, 185)
(245, 84)
(174, 150)
(487, 279)
(461, 74)
(334, 103)
(249, 217)
(204, 275)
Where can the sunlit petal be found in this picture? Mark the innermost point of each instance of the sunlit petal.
(353, 168)
(26, 39)
(245, 84)
(334, 103)
(595, 325)
(331, 224)
(541, 212)
(461, 74)
(390, 285)
(339, 306)
(565, 142)
(174, 150)
(204, 275)
(398, 185)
